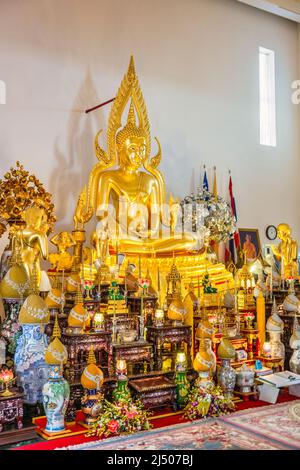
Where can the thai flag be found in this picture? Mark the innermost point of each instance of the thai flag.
(205, 182)
(234, 243)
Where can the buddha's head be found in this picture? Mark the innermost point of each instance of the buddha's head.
(34, 217)
(131, 143)
(283, 231)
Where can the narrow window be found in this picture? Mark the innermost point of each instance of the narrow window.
(267, 106)
(2, 92)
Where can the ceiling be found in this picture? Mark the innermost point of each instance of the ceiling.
(286, 8)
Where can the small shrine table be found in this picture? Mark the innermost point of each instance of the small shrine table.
(78, 346)
(176, 335)
(155, 392)
(134, 353)
(11, 409)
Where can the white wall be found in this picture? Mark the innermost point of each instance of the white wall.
(197, 61)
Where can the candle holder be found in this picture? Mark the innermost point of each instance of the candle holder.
(182, 384)
(266, 349)
(98, 322)
(7, 378)
(143, 284)
(121, 369)
(159, 317)
(2, 351)
(181, 362)
(121, 392)
(249, 317)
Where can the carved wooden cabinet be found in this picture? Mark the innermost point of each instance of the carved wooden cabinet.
(11, 410)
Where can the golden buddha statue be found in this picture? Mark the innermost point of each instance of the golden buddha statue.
(62, 260)
(286, 251)
(130, 200)
(31, 243)
(127, 193)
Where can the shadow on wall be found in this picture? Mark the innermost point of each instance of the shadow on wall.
(72, 167)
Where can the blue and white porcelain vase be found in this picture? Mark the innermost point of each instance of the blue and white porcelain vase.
(56, 393)
(31, 369)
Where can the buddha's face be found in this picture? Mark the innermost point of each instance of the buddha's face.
(133, 153)
(283, 231)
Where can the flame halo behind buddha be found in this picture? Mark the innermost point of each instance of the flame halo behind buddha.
(138, 198)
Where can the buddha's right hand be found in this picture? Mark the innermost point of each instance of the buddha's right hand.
(83, 213)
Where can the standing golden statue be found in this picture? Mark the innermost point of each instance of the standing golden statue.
(130, 200)
(31, 243)
(286, 251)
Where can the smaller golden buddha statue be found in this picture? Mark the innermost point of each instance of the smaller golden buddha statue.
(287, 251)
(30, 243)
(62, 260)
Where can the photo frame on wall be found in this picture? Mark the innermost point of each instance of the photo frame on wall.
(250, 243)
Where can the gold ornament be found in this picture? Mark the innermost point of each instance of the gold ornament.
(73, 283)
(203, 361)
(92, 376)
(18, 191)
(286, 251)
(177, 311)
(34, 310)
(78, 316)
(225, 349)
(56, 352)
(62, 260)
(15, 283)
(55, 299)
(204, 330)
(30, 243)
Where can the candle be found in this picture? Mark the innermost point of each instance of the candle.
(98, 321)
(266, 352)
(121, 367)
(198, 295)
(271, 283)
(159, 317)
(235, 295)
(261, 317)
(181, 361)
(282, 272)
(117, 250)
(2, 352)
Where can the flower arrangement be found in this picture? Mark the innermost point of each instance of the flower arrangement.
(125, 417)
(88, 285)
(144, 283)
(211, 402)
(209, 215)
(249, 316)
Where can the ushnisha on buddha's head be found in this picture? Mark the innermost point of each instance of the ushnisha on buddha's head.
(131, 143)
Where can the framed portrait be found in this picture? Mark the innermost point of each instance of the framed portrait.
(250, 243)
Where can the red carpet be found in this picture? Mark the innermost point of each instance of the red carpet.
(159, 422)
